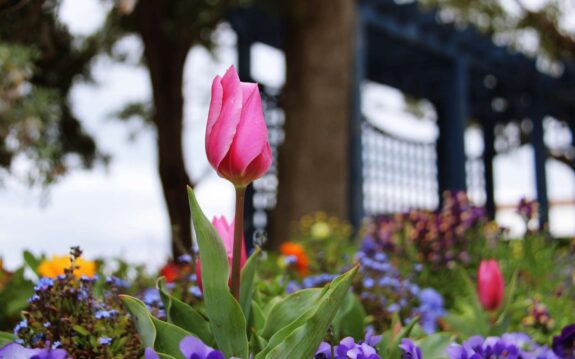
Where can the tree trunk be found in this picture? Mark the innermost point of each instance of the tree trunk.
(165, 51)
(313, 161)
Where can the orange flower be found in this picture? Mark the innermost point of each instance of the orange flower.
(170, 271)
(56, 265)
(291, 249)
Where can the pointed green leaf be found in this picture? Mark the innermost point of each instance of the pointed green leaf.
(31, 261)
(142, 320)
(225, 313)
(247, 282)
(349, 321)
(301, 338)
(168, 338)
(184, 315)
(289, 309)
(257, 317)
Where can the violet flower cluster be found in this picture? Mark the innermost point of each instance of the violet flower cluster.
(348, 348)
(438, 237)
(508, 346)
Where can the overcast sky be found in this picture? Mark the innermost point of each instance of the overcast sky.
(119, 211)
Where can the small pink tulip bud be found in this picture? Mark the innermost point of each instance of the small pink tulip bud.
(226, 233)
(490, 285)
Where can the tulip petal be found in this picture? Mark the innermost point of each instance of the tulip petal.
(223, 130)
(251, 135)
(260, 165)
(215, 105)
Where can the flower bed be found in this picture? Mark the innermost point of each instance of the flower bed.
(444, 284)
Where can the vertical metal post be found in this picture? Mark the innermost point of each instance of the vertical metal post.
(540, 157)
(355, 189)
(244, 45)
(452, 113)
(488, 155)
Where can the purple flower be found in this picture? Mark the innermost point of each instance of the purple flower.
(508, 346)
(194, 348)
(564, 344)
(410, 350)
(370, 338)
(149, 353)
(16, 351)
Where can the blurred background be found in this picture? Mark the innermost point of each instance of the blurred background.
(374, 107)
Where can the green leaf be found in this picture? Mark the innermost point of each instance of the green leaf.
(289, 309)
(247, 282)
(349, 321)
(168, 338)
(257, 317)
(225, 313)
(185, 316)
(81, 330)
(434, 346)
(301, 338)
(5, 338)
(142, 320)
(165, 356)
(31, 261)
(163, 337)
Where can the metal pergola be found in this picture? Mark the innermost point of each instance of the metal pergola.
(462, 72)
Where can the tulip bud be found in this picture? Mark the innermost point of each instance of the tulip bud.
(490, 285)
(226, 233)
(236, 134)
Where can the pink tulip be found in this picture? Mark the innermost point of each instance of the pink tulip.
(236, 134)
(490, 284)
(226, 232)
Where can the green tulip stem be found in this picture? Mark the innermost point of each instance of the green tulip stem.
(238, 238)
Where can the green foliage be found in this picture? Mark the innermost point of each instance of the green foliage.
(39, 60)
(226, 317)
(15, 290)
(185, 316)
(511, 23)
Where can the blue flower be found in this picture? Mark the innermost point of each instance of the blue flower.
(104, 341)
(195, 291)
(185, 258)
(105, 314)
(44, 284)
(431, 308)
(21, 325)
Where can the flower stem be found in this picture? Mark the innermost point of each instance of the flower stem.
(238, 238)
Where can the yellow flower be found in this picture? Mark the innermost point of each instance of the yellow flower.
(320, 230)
(55, 266)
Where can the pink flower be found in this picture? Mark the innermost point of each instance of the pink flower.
(490, 284)
(236, 134)
(226, 232)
